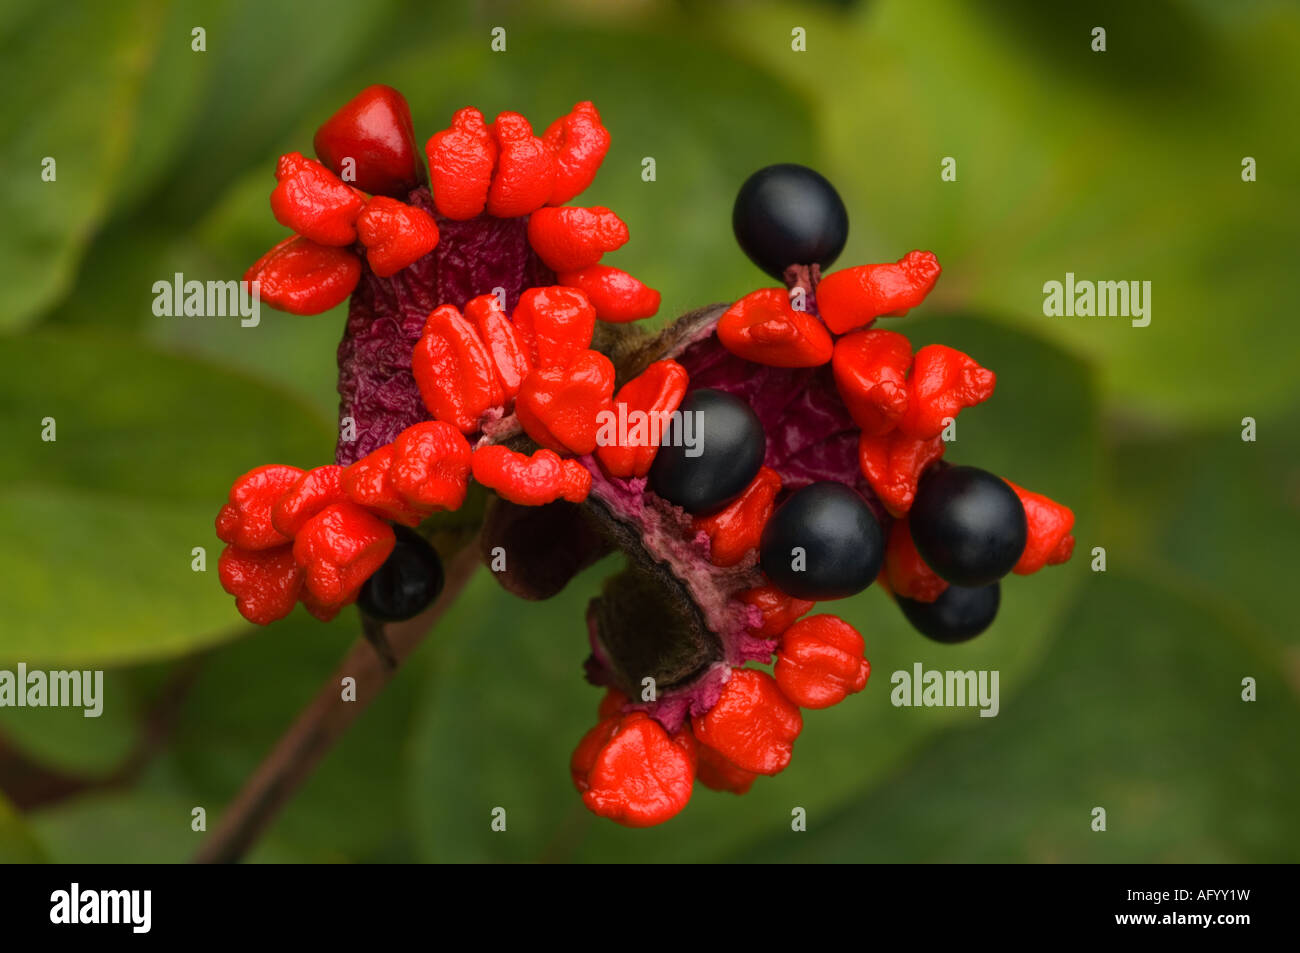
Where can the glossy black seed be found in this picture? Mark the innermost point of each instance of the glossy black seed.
(730, 444)
(788, 214)
(968, 525)
(842, 542)
(959, 614)
(408, 581)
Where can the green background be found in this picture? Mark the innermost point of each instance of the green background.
(1120, 689)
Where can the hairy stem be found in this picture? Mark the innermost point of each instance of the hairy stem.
(322, 723)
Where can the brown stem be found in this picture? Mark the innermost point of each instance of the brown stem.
(320, 725)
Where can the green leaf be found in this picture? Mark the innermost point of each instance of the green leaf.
(502, 709)
(151, 824)
(113, 828)
(18, 845)
(177, 78)
(257, 90)
(80, 74)
(100, 523)
(1123, 165)
(1215, 512)
(116, 290)
(1138, 709)
(215, 123)
(506, 704)
(68, 741)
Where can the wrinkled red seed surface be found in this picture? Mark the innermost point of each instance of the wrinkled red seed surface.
(386, 317)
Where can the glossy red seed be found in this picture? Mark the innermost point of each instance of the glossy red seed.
(611, 704)
(854, 297)
(245, 520)
(396, 235)
(870, 369)
(630, 770)
(555, 324)
(907, 574)
(753, 725)
(616, 295)
(454, 371)
(531, 480)
(779, 610)
(369, 483)
(265, 583)
(579, 142)
(734, 531)
(302, 277)
(820, 662)
(647, 402)
(893, 464)
(1050, 542)
(461, 160)
(568, 239)
(525, 172)
(762, 327)
(339, 549)
(372, 137)
(311, 200)
(942, 382)
(321, 611)
(560, 407)
(430, 466)
(716, 772)
(504, 344)
(312, 492)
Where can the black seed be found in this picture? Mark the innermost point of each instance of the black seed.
(408, 581)
(842, 542)
(968, 525)
(959, 614)
(788, 214)
(730, 442)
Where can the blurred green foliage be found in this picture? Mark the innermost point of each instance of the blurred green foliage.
(1119, 689)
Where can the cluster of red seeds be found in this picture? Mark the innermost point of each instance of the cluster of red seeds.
(319, 535)
(629, 767)
(316, 536)
(499, 169)
(901, 402)
(471, 368)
